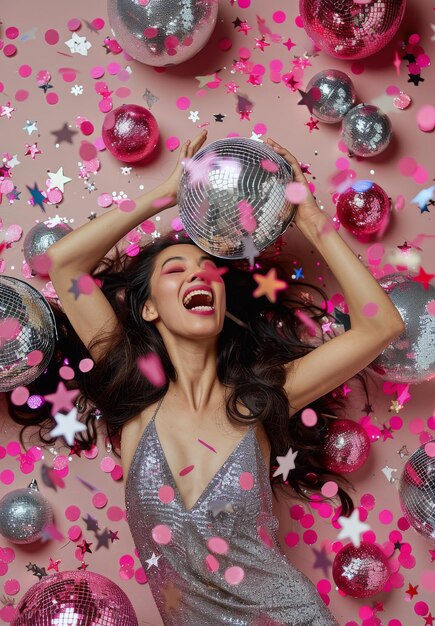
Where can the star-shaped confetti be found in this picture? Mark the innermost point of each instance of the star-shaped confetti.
(6, 110)
(78, 45)
(352, 528)
(261, 44)
(415, 79)
(67, 426)
(424, 196)
(423, 278)
(37, 197)
(388, 473)
(212, 274)
(58, 179)
(194, 116)
(153, 560)
(286, 464)
(289, 44)
(64, 134)
(62, 398)
(268, 285)
(412, 591)
(244, 28)
(312, 124)
(85, 546)
(30, 127)
(46, 86)
(54, 564)
(103, 539)
(322, 561)
(32, 150)
(91, 523)
(309, 98)
(204, 80)
(150, 98)
(219, 117)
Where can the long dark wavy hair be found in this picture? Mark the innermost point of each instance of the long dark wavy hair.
(258, 338)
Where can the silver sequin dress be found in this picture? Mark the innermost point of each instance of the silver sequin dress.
(218, 562)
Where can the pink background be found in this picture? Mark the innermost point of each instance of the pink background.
(275, 113)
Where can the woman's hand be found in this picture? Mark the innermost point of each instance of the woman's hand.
(188, 150)
(307, 210)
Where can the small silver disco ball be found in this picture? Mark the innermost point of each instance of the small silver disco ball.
(417, 492)
(366, 130)
(232, 197)
(335, 95)
(27, 324)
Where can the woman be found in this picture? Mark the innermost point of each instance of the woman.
(198, 494)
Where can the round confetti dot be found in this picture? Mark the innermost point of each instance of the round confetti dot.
(127, 205)
(234, 575)
(126, 560)
(310, 537)
(330, 489)
(10, 50)
(296, 192)
(115, 514)
(325, 510)
(87, 128)
(407, 166)
(307, 521)
(292, 539)
(7, 477)
(166, 494)
(123, 92)
(183, 103)
(309, 417)
(421, 608)
(113, 68)
(105, 200)
(51, 36)
(324, 586)
(12, 32)
(244, 53)
(177, 225)
(87, 151)
(12, 586)
(416, 425)
(21, 95)
(34, 358)
(86, 365)
(357, 68)
(105, 105)
(140, 576)
(74, 24)
(396, 422)
(98, 23)
(97, 71)
(394, 622)
(123, 76)
(24, 71)
(74, 533)
(421, 175)
(126, 573)
(60, 462)
(13, 448)
(279, 17)
(54, 196)
(370, 309)
(161, 534)
(99, 500)
(217, 545)
(52, 98)
(107, 464)
(225, 44)
(211, 563)
(385, 516)
(117, 472)
(429, 448)
(68, 75)
(172, 143)
(150, 32)
(246, 481)
(19, 395)
(72, 513)
(66, 372)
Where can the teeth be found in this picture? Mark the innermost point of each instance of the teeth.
(202, 308)
(196, 292)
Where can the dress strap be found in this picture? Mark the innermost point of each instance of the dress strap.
(158, 407)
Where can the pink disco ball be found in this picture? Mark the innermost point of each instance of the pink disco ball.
(162, 32)
(130, 133)
(351, 30)
(361, 572)
(364, 208)
(347, 446)
(78, 598)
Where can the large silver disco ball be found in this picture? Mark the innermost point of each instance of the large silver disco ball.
(39, 238)
(410, 358)
(162, 32)
(27, 324)
(366, 130)
(333, 95)
(232, 197)
(417, 492)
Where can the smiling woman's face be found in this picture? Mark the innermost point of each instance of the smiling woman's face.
(179, 269)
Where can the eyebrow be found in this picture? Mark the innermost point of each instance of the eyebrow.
(183, 258)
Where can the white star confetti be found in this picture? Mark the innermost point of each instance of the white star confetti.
(286, 464)
(67, 426)
(388, 472)
(194, 116)
(153, 560)
(256, 137)
(78, 45)
(77, 90)
(352, 528)
(58, 179)
(30, 127)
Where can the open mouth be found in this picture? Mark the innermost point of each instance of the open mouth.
(199, 300)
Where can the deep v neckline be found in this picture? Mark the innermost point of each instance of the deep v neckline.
(209, 484)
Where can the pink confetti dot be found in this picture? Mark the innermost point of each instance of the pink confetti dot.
(217, 545)
(161, 534)
(325, 510)
(115, 514)
(12, 32)
(151, 367)
(87, 151)
(54, 196)
(166, 494)
(430, 449)
(107, 464)
(295, 193)
(60, 462)
(309, 417)
(357, 68)
(97, 71)
(370, 309)
(24, 71)
(150, 32)
(52, 98)
(211, 563)
(87, 128)
(183, 103)
(117, 472)
(7, 477)
(385, 516)
(296, 512)
(21, 95)
(365, 612)
(66, 372)
(74, 533)
(13, 448)
(123, 76)
(421, 175)
(234, 575)
(105, 200)
(10, 50)
(126, 573)
(148, 227)
(310, 537)
(225, 44)
(74, 24)
(292, 539)
(407, 166)
(98, 23)
(99, 500)
(172, 143)
(394, 622)
(392, 90)
(177, 225)
(330, 489)
(428, 580)
(421, 608)
(307, 521)
(123, 92)
(279, 17)
(51, 36)
(19, 395)
(126, 560)
(246, 481)
(105, 105)
(140, 576)
(72, 513)
(86, 365)
(417, 425)
(113, 68)
(12, 586)
(2, 87)
(396, 422)
(127, 206)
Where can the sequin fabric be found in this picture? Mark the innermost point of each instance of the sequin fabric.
(218, 562)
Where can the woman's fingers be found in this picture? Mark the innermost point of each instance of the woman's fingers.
(291, 159)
